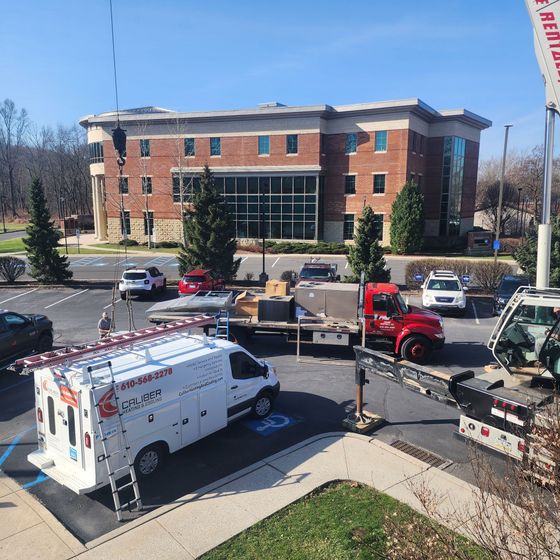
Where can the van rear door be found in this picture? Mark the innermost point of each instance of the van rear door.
(62, 421)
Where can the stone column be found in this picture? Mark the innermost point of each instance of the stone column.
(94, 206)
(101, 213)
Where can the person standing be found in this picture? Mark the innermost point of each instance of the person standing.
(104, 325)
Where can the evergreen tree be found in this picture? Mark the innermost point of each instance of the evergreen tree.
(407, 220)
(367, 254)
(45, 262)
(209, 232)
(526, 254)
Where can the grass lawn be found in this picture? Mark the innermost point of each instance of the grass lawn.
(83, 251)
(13, 227)
(11, 245)
(343, 521)
(120, 248)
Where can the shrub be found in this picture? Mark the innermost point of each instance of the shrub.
(484, 274)
(11, 268)
(167, 244)
(309, 248)
(249, 276)
(287, 275)
(128, 242)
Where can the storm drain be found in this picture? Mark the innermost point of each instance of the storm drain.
(421, 454)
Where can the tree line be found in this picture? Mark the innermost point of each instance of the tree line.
(57, 156)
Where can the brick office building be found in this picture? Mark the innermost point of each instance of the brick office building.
(312, 168)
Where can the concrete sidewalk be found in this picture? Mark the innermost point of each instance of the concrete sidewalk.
(198, 522)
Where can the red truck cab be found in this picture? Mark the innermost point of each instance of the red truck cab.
(199, 280)
(414, 331)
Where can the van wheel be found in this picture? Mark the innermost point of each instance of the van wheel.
(263, 406)
(123, 295)
(416, 349)
(149, 460)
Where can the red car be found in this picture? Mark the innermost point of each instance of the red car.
(199, 280)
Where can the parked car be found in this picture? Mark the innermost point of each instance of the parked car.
(506, 288)
(318, 272)
(442, 291)
(199, 280)
(21, 335)
(142, 281)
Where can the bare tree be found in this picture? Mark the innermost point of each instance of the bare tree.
(13, 128)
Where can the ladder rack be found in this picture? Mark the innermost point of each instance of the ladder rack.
(65, 355)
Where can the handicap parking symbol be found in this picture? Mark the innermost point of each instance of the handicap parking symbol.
(273, 423)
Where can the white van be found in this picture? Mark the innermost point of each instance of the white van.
(172, 391)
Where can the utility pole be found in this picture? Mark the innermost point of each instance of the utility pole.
(545, 228)
(517, 229)
(63, 207)
(263, 277)
(2, 201)
(500, 196)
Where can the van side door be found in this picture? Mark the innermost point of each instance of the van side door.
(245, 382)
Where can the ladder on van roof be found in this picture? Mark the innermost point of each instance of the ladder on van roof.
(110, 457)
(66, 355)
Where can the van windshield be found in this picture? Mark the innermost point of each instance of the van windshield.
(134, 275)
(193, 278)
(511, 284)
(444, 285)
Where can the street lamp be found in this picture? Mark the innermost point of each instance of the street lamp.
(2, 199)
(263, 276)
(500, 196)
(517, 229)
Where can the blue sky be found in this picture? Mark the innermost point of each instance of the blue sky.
(184, 55)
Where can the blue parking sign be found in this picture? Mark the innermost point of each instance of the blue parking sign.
(418, 277)
(466, 278)
(496, 245)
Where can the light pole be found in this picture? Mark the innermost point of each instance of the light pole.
(517, 229)
(500, 196)
(263, 276)
(63, 207)
(2, 199)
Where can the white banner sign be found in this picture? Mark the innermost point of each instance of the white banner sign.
(545, 17)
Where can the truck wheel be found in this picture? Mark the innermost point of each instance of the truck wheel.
(45, 343)
(263, 405)
(149, 460)
(416, 349)
(153, 292)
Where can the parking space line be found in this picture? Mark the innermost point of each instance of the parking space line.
(86, 261)
(113, 303)
(41, 477)
(475, 313)
(19, 295)
(13, 445)
(275, 262)
(243, 259)
(64, 299)
(346, 266)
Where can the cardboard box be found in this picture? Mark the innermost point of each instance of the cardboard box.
(247, 304)
(277, 288)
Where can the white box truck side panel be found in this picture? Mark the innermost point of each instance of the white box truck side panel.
(213, 409)
(190, 426)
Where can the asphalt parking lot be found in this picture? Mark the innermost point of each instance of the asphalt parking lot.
(316, 395)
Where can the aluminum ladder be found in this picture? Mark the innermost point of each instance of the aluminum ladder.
(121, 430)
(222, 325)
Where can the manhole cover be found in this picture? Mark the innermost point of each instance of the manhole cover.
(421, 454)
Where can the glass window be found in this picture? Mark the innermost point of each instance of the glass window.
(134, 275)
(299, 183)
(230, 185)
(189, 147)
(310, 185)
(253, 185)
(215, 147)
(381, 141)
(13, 319)
(378, 184)
(350, 184)
(52, 419)
(264, 145)
(287, 185)
(452, 185)
(71, 425)
(348, 227)
(351, 143)
(444, 285)
(292, 144)
(148, 223)
(96, 152)
(146, 185)
(144, 148)
(264, 185)
(123, 185)
(125, 227)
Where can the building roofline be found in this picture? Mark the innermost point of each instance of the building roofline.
(412, 105)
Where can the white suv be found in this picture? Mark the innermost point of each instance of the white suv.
(140, 281)
(443, 291)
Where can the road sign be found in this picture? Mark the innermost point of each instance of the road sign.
(466, 278)
(496, 245)
(418, 277)
(77, 232)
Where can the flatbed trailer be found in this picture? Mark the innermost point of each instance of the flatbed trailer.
(499, 411)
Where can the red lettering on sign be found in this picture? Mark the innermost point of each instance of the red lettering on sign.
(547, 16)
(550, 26)
(553, 35)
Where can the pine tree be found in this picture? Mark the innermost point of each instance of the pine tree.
(407, 220)
(209, 232)
(367, 254)
(45, 262)
(526, 254)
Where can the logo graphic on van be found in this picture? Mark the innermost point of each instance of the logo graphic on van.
(107, 407)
